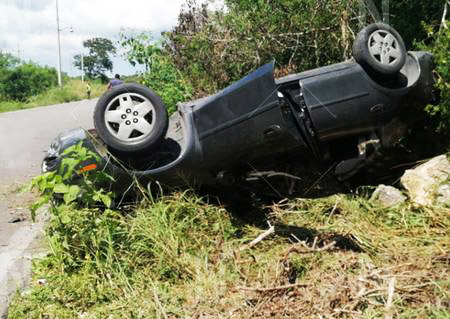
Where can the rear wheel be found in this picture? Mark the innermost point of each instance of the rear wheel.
(131, 118)
(380, 50)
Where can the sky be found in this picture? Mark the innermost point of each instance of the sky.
(28, 27)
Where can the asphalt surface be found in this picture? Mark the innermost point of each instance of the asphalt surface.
(24, 137)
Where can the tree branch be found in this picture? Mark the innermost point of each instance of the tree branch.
(267, 233)
(444, 16)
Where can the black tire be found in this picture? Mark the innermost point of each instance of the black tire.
(138, 117)
(391, 57)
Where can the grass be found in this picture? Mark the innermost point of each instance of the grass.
(178, 257)
(73, 90)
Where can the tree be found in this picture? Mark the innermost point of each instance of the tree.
(215, 48)
(408, 17)
(98, 61)
(8, 61)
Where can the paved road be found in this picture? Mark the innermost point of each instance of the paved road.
(24, 137)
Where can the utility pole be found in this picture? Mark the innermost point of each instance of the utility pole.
(385, 9)
(59, 45)
(82, 67)
(370, 6)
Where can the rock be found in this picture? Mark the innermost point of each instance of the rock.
(443, 195)
(42, 282)
(16, 219)
(429, 183)
(387, 196)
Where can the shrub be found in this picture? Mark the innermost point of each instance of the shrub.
(439, 45)
(210, 49)
(89, 188)
(213, 49)
(25, 81)
(162, 76)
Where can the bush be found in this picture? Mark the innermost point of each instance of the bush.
(162, 76)
(167, 81)
(25, 81)
(208, 50)
(407, 17)
(73, 90)
(213, 49)
(440, 47)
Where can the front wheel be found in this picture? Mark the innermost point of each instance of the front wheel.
(131, 119)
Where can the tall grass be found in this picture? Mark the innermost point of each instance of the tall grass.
(179, 257)
(73, 90)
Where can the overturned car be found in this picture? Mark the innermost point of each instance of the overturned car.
(340, 114)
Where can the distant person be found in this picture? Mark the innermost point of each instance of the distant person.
(115, 82)
(88, 89)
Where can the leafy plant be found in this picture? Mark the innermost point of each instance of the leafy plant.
(88, 190)
(214, 48)
(439, 46)
(8, 61)
(161, 76)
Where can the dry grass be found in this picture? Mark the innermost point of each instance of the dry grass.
(402, 269)
(336, 257)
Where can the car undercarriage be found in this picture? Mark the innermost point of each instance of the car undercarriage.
(339, 115)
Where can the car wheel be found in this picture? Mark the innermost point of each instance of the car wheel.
(379, 49)
(131, 118)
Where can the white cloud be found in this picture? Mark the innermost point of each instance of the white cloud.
(31, 5)
(28, 27)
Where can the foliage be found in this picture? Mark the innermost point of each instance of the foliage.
(73, 90)
(407, 17)
(98, 61)
(8, 61)
(75, 186)
(213, 49)
(440, 47)
(162, 76)
(179, 257)
(25, 80)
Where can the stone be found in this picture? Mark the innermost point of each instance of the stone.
(429, 184)
(387, 196)
(443, 195)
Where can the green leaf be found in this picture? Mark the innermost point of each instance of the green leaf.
(65, 219)
(44, 199)
(106, 199)
(68, 167)
(61, 188)
(72, 194)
